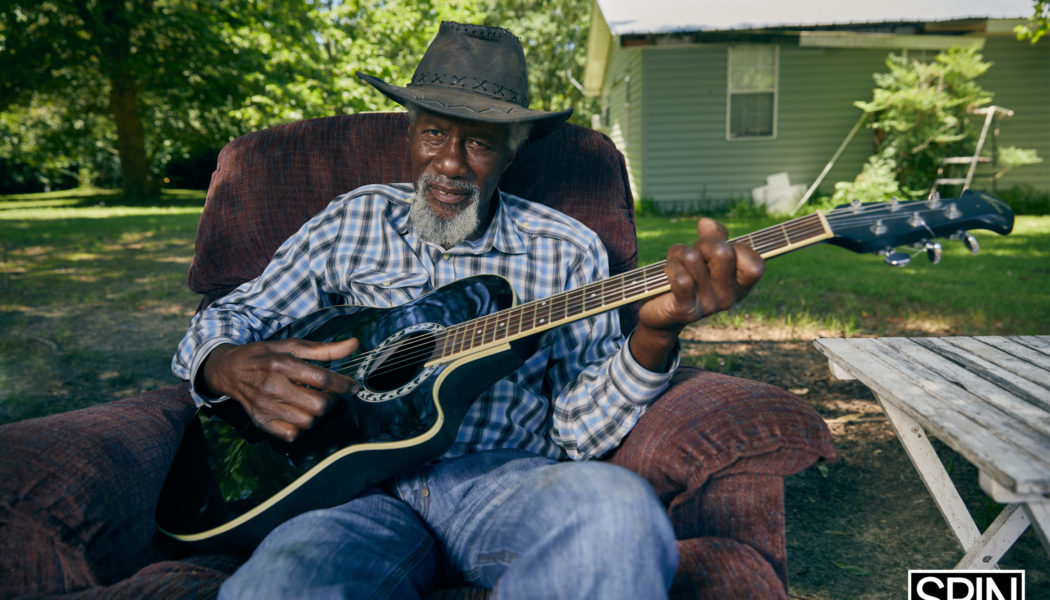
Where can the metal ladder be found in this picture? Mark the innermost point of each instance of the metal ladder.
(991, 113)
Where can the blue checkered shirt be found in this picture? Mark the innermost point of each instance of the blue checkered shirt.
(576, 397)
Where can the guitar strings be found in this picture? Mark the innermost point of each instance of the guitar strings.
(412, 352)
(850, 215)
(571, 302)
(575, 301)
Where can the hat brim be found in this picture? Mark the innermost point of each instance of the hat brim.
(468, 105)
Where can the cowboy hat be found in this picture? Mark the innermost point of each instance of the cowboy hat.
(473, 72)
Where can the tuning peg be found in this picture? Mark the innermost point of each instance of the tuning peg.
(897, 259)
(934, 199)
(971, 243)
(933, 252)
(952, 212)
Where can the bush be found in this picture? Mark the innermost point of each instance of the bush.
(876, 182)
(1026, 200)
(922, 113)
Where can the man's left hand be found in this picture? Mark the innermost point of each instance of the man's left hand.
(707, 277)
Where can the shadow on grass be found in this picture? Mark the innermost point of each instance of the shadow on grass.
(82, 198)
(91, 307)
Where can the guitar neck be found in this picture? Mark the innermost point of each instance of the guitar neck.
(639, 284)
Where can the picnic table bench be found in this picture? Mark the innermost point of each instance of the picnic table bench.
(988, 398)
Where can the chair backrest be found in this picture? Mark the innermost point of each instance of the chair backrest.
(268, 183)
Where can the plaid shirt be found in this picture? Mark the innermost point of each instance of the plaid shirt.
(576, 397)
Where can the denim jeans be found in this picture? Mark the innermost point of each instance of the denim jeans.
(523, 525)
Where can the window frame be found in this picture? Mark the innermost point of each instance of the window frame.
(730, 92)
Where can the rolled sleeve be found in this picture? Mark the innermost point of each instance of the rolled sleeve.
(639, 385)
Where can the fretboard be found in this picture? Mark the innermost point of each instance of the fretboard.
(639, 284)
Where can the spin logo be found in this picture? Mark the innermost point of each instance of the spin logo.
(966, 585)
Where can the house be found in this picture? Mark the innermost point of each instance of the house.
(708, 98)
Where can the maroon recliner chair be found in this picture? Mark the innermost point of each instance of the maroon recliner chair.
(78, 490)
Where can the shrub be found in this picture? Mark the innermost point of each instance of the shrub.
(1026, 200)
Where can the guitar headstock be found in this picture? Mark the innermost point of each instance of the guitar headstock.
(880, 226)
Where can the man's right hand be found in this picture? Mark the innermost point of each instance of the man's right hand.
(281, 392)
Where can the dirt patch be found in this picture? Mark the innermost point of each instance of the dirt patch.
(855, 527)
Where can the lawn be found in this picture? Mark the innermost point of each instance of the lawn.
(93, 297)
(1005, 289)
(93, 300)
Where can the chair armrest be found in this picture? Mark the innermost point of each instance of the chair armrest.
(710, 425)
(78, 491)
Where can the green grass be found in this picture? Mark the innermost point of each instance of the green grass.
(93, 295)
(1004, 290)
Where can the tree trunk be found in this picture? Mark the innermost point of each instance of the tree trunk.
(131, 142)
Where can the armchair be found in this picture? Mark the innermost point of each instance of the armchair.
(78, 490)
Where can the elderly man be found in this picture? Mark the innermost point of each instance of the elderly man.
(503, 508)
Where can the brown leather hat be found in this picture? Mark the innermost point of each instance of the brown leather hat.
(473, 72)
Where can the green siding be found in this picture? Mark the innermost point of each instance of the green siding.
(689, 159)
(1020, 80)
(673, 131)
(623, 97)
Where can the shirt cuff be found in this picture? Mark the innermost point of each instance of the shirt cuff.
(198, 361)
(638, 384)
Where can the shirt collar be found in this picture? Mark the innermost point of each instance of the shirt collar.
(502, 235)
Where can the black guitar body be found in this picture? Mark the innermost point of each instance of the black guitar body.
(406, 414)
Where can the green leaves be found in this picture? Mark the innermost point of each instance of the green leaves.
(1038, 24)
(194, 74)
(921, 114)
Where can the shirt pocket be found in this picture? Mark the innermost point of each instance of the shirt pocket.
(385, 288)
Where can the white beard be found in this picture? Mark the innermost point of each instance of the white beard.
(444, 232)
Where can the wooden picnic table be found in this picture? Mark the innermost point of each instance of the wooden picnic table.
(988, 398)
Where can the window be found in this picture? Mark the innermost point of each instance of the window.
(752, 103)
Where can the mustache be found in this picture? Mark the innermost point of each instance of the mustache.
(427, 179)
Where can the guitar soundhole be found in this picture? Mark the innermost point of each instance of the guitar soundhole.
(400, 363)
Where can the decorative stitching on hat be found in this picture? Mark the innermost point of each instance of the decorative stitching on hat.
(482, 32)
(422, 101)
(488, 88)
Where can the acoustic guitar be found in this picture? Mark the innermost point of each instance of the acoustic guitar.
(422, 364)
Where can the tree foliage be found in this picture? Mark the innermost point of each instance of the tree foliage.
(554, 36)
(150, 76)
(116, 89)
(1038, 24)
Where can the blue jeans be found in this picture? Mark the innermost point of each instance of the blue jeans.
(523, 525)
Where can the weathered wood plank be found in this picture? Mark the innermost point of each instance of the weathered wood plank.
(1002, 377)
(1039, 514)
(1015, 346)
(998, 356)
(986, 383)
(876, 364)
(986, 397)
(948, 402)
(996, 540)
(1035, 342)
(919, 449)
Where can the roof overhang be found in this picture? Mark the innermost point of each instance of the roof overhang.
(890, 24)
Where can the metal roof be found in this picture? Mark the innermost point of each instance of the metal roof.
(626, 17)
